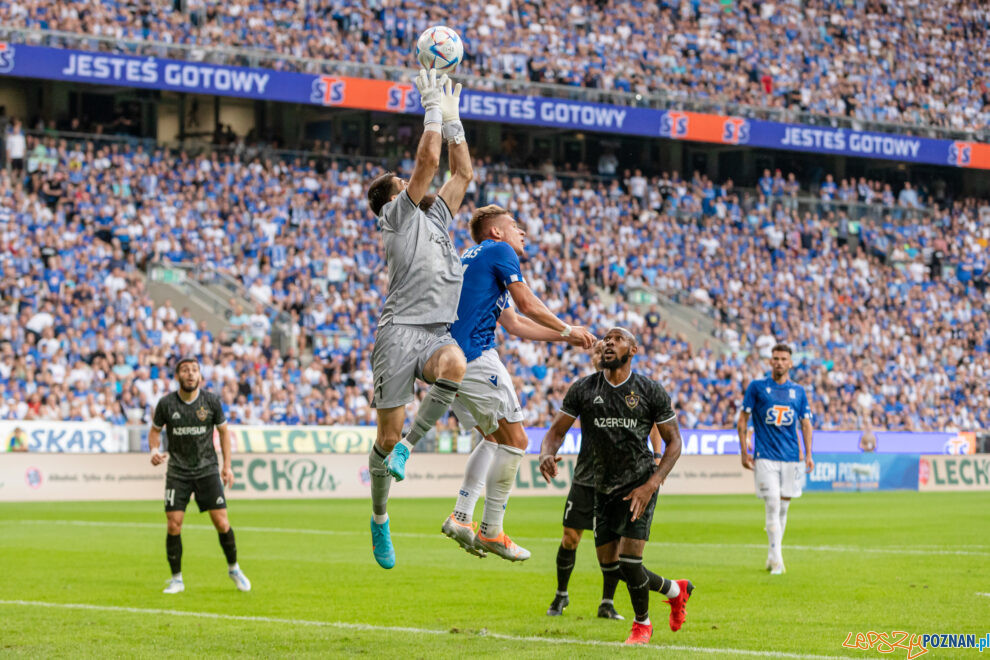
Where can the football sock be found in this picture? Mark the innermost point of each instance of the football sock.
(773, 527)
(638, 584)
(784, 505)
(229, 546)
(438, 399)
(173, 551)
(380, 482)
(565, 564)
(610, 580)
(474, 481)
(501, 476)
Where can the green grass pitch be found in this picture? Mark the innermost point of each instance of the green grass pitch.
(855, 563)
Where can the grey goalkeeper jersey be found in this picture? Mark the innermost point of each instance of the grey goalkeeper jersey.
(424, 271)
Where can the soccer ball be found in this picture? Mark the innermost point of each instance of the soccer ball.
(439, 48)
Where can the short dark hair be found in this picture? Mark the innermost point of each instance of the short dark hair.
(482, 219)
(380, 191)
(781, 348)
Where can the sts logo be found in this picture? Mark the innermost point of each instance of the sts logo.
(780, 416)
(960, 154)
(327, 90)
(6, 57)
(735, 130)
(674, 124)
(402, 98)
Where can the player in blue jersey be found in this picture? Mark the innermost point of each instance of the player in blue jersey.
(777, 405)
(486, 398)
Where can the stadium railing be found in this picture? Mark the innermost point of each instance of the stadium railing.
(230, 55)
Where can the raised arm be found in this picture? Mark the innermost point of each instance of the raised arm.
(527, 303)
(461, 170)
(430, 144)
(524, 328)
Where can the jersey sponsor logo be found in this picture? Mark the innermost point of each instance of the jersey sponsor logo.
(202, 413)
(632, 400)
(188, 430)
(599, 399)
(780, 416)
(493, 379)
(176, 415)
(616, 423)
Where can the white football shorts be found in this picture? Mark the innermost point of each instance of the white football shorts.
(486, 394)
(778, 479)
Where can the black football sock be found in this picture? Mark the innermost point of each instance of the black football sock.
(565, 564)
(228, 545)
(638, 584)
(668, 588)
(173, 550)
(610, 579)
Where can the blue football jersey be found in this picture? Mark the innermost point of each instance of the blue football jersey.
(775, 410)
(489, 269)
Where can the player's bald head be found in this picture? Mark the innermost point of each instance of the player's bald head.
(625, 334)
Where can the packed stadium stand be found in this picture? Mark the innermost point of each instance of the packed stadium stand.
(828, 57)
(886, 313)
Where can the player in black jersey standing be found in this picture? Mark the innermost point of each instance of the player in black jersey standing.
(579, 515)
(190, 415)
(618, 408)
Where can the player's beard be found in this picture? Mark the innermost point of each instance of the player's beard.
(190, 390)
(427, 202)
(617, 363)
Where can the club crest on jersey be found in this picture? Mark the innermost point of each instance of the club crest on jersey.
(202, 413)
(598, 399)
(632, 400)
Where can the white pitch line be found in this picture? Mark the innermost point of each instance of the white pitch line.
(980, 593)
(482, 634)
(928, 550)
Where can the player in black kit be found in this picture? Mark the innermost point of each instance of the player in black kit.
(190, 415)
(618, 408)
(579, 515)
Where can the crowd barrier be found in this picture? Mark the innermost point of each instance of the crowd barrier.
(386, 96)
(28, 477)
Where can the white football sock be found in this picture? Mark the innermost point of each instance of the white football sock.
(501, 477)
(474, 480)
(773, 528)
(784, 504)
(673, 591)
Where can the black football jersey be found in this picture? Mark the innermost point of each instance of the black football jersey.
(189, 429)
(616, 421)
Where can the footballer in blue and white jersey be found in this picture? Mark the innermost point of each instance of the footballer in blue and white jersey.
(493, 285)
(777, 406)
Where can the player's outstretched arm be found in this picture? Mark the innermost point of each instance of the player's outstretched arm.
(551, 443)
(461, 171)
(527, 303)
(524, 328)
(430, 145)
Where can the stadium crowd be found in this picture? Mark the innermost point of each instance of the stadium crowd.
(885, 316)
(879, 60)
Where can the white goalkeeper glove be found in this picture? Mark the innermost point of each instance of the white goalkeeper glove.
(430, 95)
(453, 130)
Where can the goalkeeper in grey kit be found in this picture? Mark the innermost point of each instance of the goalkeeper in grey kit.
(618, 409)
(425, 274)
